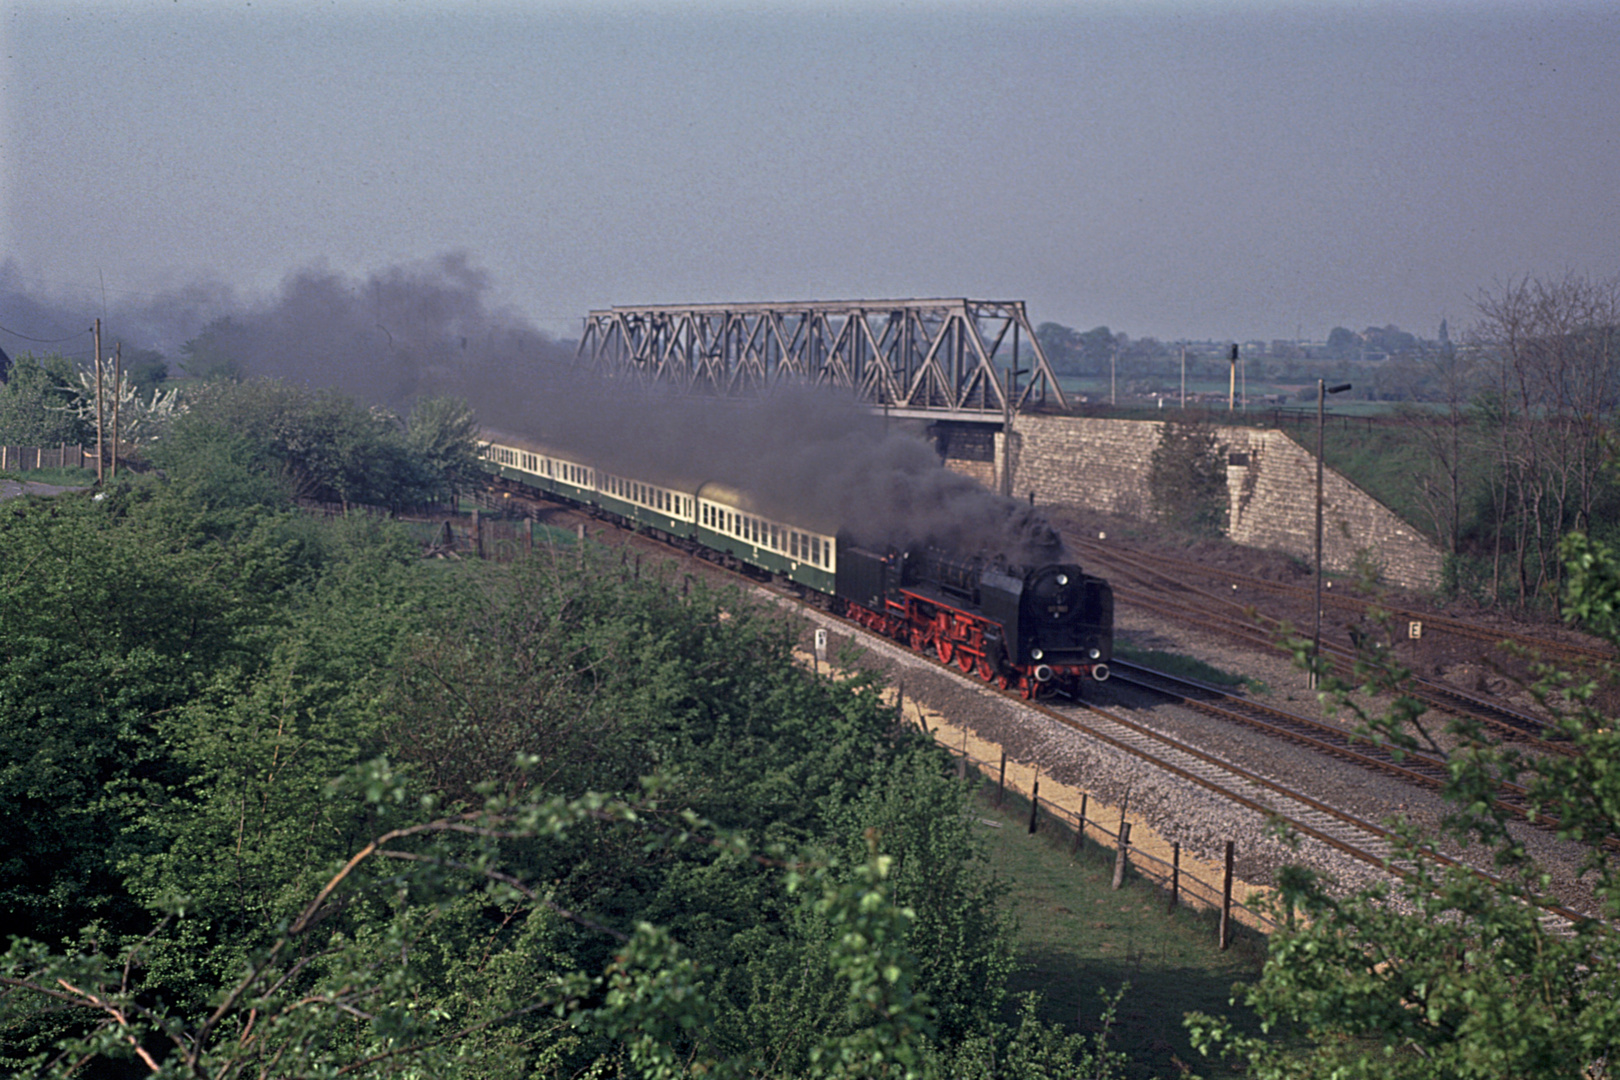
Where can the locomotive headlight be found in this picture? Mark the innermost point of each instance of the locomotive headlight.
(1036, 654)
(1063, 579)
(1096, 653)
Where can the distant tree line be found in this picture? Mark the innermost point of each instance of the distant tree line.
(1518, 441)
(319, 444)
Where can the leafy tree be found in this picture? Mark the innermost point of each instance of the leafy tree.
(1187, 477)
(36, 402)
(1554, 360)
(1343, 342)
(443, 431)
(214, 866)
(1061, 345)
(1451, 973)
(208, 357)
(1074, 352)
(145, 369)
(324, 445)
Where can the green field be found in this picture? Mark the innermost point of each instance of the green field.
(60, 477)
(1079, 939)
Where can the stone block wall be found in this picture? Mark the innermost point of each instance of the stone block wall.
(1271, 485)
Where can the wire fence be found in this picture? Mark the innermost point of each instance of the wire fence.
(60, 456)
(1182, 886)
(496, 536)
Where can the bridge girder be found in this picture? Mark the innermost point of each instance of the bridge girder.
(937, 356)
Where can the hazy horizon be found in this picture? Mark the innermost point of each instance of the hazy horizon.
(1228, 171)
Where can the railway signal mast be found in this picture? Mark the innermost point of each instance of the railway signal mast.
(1322, 391)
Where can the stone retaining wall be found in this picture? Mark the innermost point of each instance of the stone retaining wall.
(1271, 484)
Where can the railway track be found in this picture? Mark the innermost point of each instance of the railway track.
(1163, 595)
(1415, 767)
(1169, 567)
(1351, 836)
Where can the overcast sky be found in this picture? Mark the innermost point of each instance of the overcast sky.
(1199, 170)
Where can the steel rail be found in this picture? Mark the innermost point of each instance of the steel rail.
(1442, 696)
(1426, 770)
(1383, 861)
(1447, 623)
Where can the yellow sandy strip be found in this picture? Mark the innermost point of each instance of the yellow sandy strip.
(1102, 819)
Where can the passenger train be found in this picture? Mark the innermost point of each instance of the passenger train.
(1037, 630)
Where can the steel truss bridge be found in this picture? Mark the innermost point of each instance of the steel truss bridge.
(935, 359)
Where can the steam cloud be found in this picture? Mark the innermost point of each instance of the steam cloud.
(802, 454)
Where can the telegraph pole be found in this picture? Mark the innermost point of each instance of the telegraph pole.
(1184, 376)
(98, 401)
(118, 384)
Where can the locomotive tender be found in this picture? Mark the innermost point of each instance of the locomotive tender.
(1034, 629)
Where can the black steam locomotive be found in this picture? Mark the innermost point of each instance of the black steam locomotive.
(1033, 629)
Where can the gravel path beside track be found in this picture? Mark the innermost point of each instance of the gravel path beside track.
(1168, 807)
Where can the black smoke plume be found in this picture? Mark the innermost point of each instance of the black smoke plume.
(802, 454)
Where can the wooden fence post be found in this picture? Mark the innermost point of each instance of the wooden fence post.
(1080, 826)
(1001, 781)
(1175, 874)
(530, 526)
(1226, 901)
(1035, 801)
(477, 534)
(1120, 856)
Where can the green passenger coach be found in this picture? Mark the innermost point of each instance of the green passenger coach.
(710, 515)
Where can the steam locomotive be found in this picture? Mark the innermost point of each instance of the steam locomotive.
(1035, 629)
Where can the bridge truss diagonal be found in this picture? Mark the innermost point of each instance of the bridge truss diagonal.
(932, 356)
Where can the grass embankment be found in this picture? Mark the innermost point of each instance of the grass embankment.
(52, 475)
(1079, 938)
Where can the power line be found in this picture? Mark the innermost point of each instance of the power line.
(43, 341)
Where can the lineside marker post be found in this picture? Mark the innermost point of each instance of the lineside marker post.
(1175, 874)
(1120, 856)
(1035, 801)
(1226, 901)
